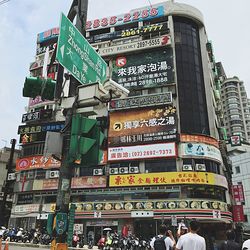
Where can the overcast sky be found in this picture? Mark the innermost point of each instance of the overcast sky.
(227, 25)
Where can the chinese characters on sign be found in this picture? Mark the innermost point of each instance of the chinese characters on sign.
(26, 129)
(89, 182)
(142, 152)
(238, 193)
(162, 27)
(199, 138)
(35, 162)
(142, 126)
(238, 213)
(145, 70)
(201, 150)
(173, 178)
(141, 101)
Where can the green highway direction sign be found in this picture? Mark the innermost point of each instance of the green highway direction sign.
(76, 55)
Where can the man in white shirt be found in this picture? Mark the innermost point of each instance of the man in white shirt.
(161, 241)
(246, 245)
(191, 240)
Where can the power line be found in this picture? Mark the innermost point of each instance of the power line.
(4, 1)
(150, 3)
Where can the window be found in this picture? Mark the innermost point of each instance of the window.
(237, 170)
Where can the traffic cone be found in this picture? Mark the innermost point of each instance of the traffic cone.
(6, 247)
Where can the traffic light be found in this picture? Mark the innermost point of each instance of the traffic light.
(86, 141)
(35, 86)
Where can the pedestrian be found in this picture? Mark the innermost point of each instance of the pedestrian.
(191, 240)
(164, 240)
(246, 245)
(230, 243)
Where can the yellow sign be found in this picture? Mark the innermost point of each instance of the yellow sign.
(166, 178)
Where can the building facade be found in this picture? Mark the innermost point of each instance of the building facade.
(235, 108)
(164, 160)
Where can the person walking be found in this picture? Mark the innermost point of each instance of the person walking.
(191, 240)
(230, 243)
(164, 240)
(246, 245)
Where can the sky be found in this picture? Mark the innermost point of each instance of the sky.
(226, 23)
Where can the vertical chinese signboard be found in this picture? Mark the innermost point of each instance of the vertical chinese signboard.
(238, 213)
(238, 193)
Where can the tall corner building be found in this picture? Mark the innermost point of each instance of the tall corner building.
(165, 160)
(235, 108)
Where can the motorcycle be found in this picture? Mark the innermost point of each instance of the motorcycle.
(101, 242)
(90, 242)
(75, 240)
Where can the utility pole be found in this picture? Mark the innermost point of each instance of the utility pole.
(78, 10)
(8, 187)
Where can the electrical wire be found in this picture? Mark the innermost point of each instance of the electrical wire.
(4, 1)
(150, 3)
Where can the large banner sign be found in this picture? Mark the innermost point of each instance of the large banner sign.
(201, 150)
(199, 138)
(36, 162)
(135, 46)
(30, 129)
(141, 101)
(47, 35)
(142, 126)
(152, 28)
(160, 150)
(89, 182)
(134, 16)
(166, 178)
(145, 69)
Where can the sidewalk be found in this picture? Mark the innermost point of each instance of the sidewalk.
(85, 247)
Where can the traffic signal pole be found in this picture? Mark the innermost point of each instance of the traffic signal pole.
(78, 10)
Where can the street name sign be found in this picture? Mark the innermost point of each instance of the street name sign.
(76, 54)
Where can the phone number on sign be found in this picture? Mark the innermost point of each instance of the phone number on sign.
(140, 154)
(114, 20)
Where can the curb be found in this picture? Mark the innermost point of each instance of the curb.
(85, 247)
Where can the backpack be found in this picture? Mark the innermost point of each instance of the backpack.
(159, 243)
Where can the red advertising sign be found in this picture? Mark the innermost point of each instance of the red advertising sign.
(35, 162)
(238, 213)
(89, 182)
(200, 138)
(238, 193)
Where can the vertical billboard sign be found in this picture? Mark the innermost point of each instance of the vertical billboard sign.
(238, 213)
(238, 193)
(142, 126)
(144, 70)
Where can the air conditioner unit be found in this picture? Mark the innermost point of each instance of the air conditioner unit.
(133, 170)
(123, 170)
(200, 167)
(11, 176)
(98, 171)
(187, 167)
(54, 174)
(113, 171)
(47, 174)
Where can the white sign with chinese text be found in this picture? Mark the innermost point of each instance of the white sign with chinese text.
(142, 151)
